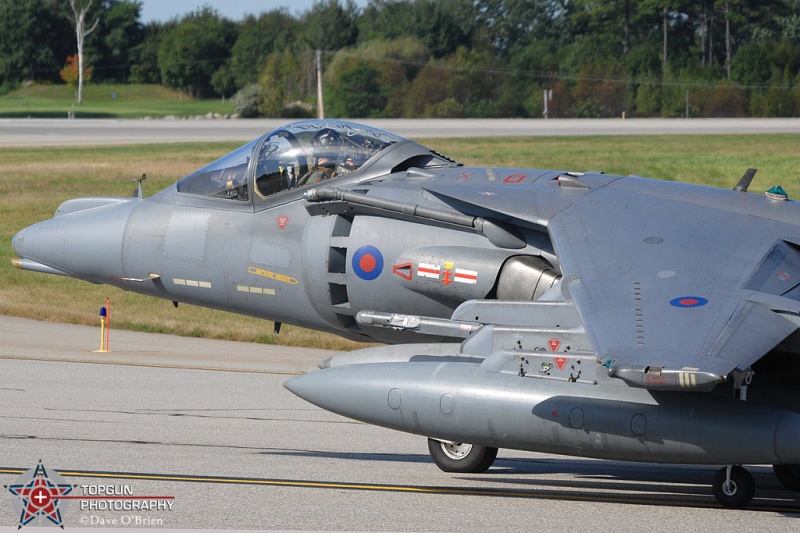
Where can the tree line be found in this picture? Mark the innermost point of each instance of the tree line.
(429, 58)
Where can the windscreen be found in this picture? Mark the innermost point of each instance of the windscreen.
(224, 178)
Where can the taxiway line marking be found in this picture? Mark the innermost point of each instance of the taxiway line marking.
(399, 488)
(152, 365)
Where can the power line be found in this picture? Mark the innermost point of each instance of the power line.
(549, 75)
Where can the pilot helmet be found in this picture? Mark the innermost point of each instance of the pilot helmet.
(327, 138)
(326, 148)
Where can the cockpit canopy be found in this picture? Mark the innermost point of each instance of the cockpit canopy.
(296, 155)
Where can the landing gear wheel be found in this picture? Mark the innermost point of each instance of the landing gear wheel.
(788, 475)
(460, 457)
(737, 492)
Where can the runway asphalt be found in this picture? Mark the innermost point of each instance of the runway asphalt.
(62, 132)
(210, 424)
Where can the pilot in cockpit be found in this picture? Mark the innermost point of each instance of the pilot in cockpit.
(287, 161)
(294, 156)
(326, 149)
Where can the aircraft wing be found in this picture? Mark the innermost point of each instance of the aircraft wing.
(675, 292)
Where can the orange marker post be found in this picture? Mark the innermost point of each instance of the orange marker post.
(108, 322)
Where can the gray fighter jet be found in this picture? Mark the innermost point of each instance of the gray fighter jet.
(602, 316)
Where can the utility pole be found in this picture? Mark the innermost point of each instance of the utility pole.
(687, 103)
(727, 40)
(548, 95)
(320, 104)
(664, 53)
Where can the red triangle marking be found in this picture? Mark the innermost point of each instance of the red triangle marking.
(404, 270)
(560, 362)
(282, 222)
(554, 344)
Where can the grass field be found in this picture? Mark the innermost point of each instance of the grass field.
(34, 181)
(106, 101)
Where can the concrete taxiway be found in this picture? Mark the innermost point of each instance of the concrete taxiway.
(210, 424)
(62, 132)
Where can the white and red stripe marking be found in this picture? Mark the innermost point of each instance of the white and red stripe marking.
(427, 270)
(466, 276)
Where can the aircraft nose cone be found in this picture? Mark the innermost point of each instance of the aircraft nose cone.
(42, 243)
(18, 243)
(86, 244)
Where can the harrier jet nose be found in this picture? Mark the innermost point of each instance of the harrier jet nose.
(41, 249)
(80, 242)
(18, 242)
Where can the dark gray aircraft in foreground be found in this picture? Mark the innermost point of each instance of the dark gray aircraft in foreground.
(602, 316)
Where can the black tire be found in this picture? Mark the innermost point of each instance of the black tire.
(788, 475)
(739, 492)
(461, 458)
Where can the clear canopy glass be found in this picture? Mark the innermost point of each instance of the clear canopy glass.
(296, 155)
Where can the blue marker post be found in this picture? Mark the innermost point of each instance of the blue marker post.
(104, 328)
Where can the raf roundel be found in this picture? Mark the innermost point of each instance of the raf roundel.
(688, 301)
(367, 263)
